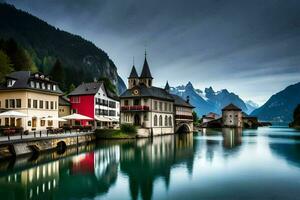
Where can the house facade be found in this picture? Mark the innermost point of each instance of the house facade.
(153, 110)
(33, 94)
(232, 116)
(64, 106)
(95, 101)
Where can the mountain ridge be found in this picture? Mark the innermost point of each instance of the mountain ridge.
(82, 60)
(209, 100)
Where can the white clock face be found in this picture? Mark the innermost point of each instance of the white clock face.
(135, 92)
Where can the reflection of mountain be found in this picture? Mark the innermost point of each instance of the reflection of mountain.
(290, 152)
(147, 160)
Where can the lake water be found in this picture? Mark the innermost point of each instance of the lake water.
(213, 164)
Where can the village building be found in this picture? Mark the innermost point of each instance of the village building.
(33, 94)
(64, 106)
(152, 109)
(209, 117)
(232, 116)
(95, 101)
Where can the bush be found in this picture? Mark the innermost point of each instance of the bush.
(128, 128)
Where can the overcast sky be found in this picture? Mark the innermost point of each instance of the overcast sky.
(249, 47)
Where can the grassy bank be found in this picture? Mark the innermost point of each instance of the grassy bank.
(113, 134)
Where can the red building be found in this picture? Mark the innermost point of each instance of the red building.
(94, 101)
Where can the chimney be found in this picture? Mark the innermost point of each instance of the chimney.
(188, 99)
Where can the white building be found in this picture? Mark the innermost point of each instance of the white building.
(152, 109)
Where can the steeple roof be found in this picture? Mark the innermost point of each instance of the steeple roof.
(146, 71)
(167, 87)
(133, 73)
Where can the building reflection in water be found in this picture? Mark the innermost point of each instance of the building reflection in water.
(220, 141)
(34, 183)
(88, 175)
(232, 137)
(146, 160)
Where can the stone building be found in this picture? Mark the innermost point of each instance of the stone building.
(232, 116)
(154, 110)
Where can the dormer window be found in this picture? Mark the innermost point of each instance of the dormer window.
(32, 84)
(37, 85)
(48, 87)
(54, 87)
(10, 82)
(36, 75)
(43, 86)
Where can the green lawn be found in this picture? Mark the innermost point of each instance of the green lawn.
(113, 134)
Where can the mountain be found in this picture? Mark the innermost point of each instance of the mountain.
(280, 107)
(251, 106)
(209, 100)
(81, 59)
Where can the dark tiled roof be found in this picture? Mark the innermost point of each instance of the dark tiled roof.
(63, 101)
(133, 73)
(91, 89)
(146, 70)
(178, 101)
(148, 92)
(231, 107)
(23, 79)
(87, 89)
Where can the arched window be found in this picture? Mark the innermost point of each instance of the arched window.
(155, 120)
(166, 120)
(160, 120)
(170, 121)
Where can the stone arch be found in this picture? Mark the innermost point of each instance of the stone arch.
(183, 128)
(61, 147)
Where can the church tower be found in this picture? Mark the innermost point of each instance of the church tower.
(146, 77)
(133, 78)
(167, 87)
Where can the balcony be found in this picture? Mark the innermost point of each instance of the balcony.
(134, 108)
(184, 117)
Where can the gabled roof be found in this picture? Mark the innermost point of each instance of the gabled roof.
(178, 101)
(133, 73)
(87, 89)
(63, 101)
(91, 89)
(231, 107)
(146, 70)
(23, 79)
(145, 91)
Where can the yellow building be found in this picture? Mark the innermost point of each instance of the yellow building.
(64, 106)
(33, 94)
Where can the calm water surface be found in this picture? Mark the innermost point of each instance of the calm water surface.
(213, 164)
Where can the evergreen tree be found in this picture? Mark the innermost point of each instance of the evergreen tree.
(296, 116)
(195, 118)
(108, 85)
(58, 74)
(5, 66)
(71, 88)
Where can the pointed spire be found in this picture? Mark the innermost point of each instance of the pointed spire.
(167, 87)
(133, 73)
(146, 70)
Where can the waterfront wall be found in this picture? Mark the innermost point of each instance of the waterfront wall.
(42, 144)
